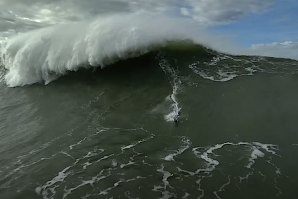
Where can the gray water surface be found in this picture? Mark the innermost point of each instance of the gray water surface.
(103, 134)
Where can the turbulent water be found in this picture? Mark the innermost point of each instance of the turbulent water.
(163, 119)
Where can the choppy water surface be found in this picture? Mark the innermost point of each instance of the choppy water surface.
(112, 134)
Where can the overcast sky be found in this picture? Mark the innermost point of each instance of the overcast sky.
(260, 25)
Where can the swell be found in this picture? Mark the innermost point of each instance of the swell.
(45, 54)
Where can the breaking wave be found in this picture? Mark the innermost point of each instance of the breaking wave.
(45, 54)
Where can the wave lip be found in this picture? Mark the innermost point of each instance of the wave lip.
(45, 54)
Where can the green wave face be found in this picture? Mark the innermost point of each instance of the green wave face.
(177, 121)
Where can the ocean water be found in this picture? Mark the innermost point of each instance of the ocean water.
(173, 120)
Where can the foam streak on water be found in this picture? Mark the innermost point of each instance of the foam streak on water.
(222, 188)
(175, 82)
(111, 175)
(137, 143)
(186, 145)
(255, 149)
(165, 184)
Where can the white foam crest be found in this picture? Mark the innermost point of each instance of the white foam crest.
(45, 54)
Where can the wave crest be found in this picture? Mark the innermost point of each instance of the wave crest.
(45, 54)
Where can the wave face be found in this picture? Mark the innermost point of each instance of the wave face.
(45, 54)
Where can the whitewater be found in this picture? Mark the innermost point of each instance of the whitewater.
(42, 55)
(45, 54)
